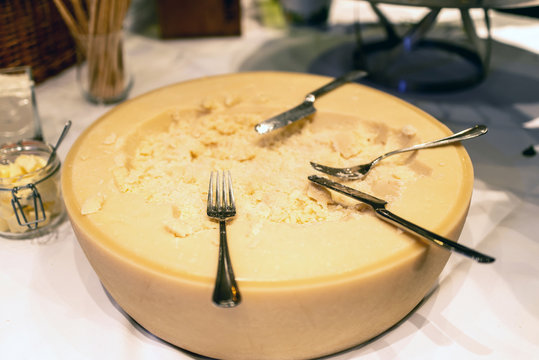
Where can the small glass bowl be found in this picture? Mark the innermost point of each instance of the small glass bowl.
(30, 204)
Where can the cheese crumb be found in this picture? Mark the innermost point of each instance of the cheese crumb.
(120, 159)
(92, 204)
(109, 140)
(232, 100)
(409, 130)
(23, 164)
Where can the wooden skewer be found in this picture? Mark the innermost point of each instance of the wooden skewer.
(66, 15)
(80, 13)
(96, 26)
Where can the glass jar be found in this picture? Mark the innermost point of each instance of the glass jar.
(30, 200)
(19, 118)
(102, 68)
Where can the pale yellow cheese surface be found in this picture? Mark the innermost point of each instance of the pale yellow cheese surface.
(146, 169)
(23, 165)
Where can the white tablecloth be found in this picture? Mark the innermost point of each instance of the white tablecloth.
(52, 305)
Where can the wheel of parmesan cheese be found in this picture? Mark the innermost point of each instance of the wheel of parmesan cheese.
(318, 272)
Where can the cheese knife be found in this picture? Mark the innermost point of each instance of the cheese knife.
(379, 207)
(306, 108)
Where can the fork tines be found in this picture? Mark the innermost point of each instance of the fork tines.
(221, 201)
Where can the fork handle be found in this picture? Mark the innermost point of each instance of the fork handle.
(432, 237)
(226, 292)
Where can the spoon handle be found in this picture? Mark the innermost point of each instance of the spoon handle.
(67, 126)
(466, 134)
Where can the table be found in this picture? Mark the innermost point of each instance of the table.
(52, 305)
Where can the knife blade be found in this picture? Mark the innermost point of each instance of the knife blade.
(306, 108)
(379, 207)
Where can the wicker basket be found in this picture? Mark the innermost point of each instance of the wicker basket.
(33, 33)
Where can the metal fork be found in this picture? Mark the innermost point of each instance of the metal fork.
(359, 171)
(221, 206)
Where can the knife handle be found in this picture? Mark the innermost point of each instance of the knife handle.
(352, 75)
(432, 237)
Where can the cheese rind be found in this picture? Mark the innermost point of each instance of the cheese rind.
(318, 272)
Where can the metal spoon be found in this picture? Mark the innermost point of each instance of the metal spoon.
(67, 126)
(359, 171)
